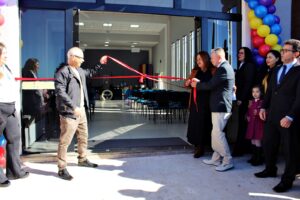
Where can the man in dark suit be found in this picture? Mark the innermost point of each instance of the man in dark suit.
(221, 87)
(244, 81)
(282, 102)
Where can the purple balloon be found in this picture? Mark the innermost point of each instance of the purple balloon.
(259, 59)
(271, 9)
(265, 2)
(255, 51)
(2, 2)
(277, 19)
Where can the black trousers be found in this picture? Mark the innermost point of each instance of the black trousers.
(9, 126)
(274, 136)
(242, 145)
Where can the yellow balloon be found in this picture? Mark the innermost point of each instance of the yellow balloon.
(277, 47)
(263, 30)
(271, 40)
(21, 43)
(255, 22)
(251, 15)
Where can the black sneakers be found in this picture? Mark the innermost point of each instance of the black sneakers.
(64, 174)
(87, 163)
(5, 183)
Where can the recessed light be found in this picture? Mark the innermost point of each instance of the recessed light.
(79, 23)
(106, 45)
(132, 46)
(85, 45)
(135, 43)
(107, 24)
(106, 42)
(134, 26)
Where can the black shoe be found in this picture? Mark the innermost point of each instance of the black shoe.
(282, 187)
(5, 183)
(11, 177)
(198, 152)
(64, 174)
(266, 173)
(87, 163)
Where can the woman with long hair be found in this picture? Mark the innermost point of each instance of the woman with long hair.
(199, 123)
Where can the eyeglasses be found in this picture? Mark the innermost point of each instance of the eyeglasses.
(286, 50)
(78, 57)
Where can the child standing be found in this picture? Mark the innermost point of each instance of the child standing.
(255, 126)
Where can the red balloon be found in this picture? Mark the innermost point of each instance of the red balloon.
(103, 60)
(2, 20)
(253, 33)
(2, 162)
(2, 151)
(258, 41)
(264, 49)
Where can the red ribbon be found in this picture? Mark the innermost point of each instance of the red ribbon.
(195, 97)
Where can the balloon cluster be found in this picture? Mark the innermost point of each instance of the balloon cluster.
(2, 19)
(265, 28)
(2, 151)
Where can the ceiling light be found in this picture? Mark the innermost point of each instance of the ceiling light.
(134, 26)
(132, 46)
(79, 23)
(107, 42)
(106, 45)
(135, 43)
(85, 45)
(107, 24)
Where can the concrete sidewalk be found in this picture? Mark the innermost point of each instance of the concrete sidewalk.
(152, 177)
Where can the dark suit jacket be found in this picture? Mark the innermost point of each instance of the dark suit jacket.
(67, 90)
(284, 99)
(244, 81)
(221, 86)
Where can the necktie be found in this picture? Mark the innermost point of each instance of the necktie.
(282, 74)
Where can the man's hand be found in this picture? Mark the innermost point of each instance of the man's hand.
(77, 112)
(239, 102)
(285, 122)
(194, 82)
(262, 114)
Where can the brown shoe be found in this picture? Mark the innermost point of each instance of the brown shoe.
(198, 152)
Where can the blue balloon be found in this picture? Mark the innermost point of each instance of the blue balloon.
(276, 29)
(279, 39)
(253, 4)
(261, 11)
(255, 51)
(269, 19)
(265, 2)
(271, 9)
(277, 19)
(259, 59)
(2, 140)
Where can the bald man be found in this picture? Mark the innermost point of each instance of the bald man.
(71, 101)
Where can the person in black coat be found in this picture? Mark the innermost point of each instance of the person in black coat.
(282, 105)
(244, 81)
(199, 123)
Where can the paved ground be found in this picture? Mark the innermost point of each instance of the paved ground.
(152, 177)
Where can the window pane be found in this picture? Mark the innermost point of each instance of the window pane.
(83, 1)
(178, 58)
(173, 60)
(157, 3)
(47, 42)
(209, 5)
(223, 34)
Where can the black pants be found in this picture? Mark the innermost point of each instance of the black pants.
(242, 145)
(9, 126)
(275, 135)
